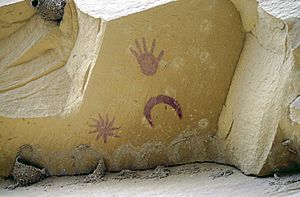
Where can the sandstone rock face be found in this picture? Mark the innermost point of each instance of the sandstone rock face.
(255, 122)
(295, 111)
(150, 83)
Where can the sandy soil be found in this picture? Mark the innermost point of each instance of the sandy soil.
(194, 180)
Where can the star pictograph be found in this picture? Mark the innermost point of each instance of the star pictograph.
(104, 128)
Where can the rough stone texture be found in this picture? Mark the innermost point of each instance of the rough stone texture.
(184, 181)
(222, 74)
(116, 89)
(8, 2)
(255, 122)
(248, 12)
(109, 10)
(282, 8)
(253, 106)
(286, 155)
(38, 43)
(159, 173)
(295, 111)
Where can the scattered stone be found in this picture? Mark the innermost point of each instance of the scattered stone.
(271, 183)
(195, 169)
(222, 173)
(25, 173)
(159, 173)
(294, 111)
(180, 171)
(98, 174)
(127, 174)
(293, 151)
(292, 181)
(276, 176)
(287, 142)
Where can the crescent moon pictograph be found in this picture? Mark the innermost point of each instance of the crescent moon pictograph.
(152, 102)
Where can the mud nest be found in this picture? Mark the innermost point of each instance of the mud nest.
(50, 10)
(25, 173)
(98, 173)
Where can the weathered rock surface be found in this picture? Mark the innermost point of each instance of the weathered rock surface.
(150, 83)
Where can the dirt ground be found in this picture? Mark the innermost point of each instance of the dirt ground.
(206, 179)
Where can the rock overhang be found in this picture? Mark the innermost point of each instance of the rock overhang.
(109, 74)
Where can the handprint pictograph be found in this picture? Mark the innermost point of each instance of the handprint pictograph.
(104, 128)
(146, 59)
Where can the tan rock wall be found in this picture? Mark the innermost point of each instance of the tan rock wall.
(185, 71)
(184, 81)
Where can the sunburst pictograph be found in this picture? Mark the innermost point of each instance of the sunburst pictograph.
(104, 127)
